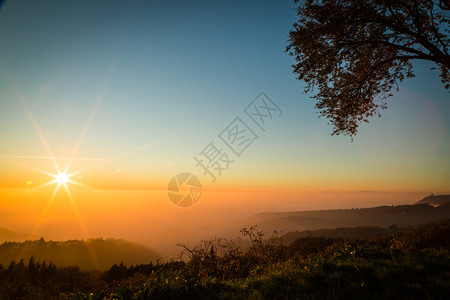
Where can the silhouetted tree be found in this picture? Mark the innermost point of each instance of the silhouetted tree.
(116, 272)
(20, 269)
(32, 265)
(11, 266)
(356, 51)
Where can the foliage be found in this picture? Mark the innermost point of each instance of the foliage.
(356, 51)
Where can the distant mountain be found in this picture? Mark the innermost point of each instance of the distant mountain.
(382, 216)
(90, 254)
(11, 236)
(436, 200)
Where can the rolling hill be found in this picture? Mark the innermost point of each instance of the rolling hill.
(11, 236)
(382, 216)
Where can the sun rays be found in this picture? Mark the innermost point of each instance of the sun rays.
(59, 170)
(61, 177)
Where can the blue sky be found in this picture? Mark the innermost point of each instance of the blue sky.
(170, 75)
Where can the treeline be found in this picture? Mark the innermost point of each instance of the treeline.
(42, 280)
(90, 254)
(414, 264)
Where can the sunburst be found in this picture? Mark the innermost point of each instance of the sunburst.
(62, 178)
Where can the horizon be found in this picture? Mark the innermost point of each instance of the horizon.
(167, 247)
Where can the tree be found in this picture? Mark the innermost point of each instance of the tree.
(356, 52)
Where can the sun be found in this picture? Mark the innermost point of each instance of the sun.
(62, 178)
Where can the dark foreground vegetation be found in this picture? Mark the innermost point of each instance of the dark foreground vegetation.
(413, 264)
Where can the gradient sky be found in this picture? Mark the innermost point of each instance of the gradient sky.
(133, 90)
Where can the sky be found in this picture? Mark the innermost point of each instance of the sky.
(123, 95)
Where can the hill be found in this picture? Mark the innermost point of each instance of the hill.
(11, 236)
(362, 232)
(382, 216)
(412, 264)
(88, 255)
(436, 200)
